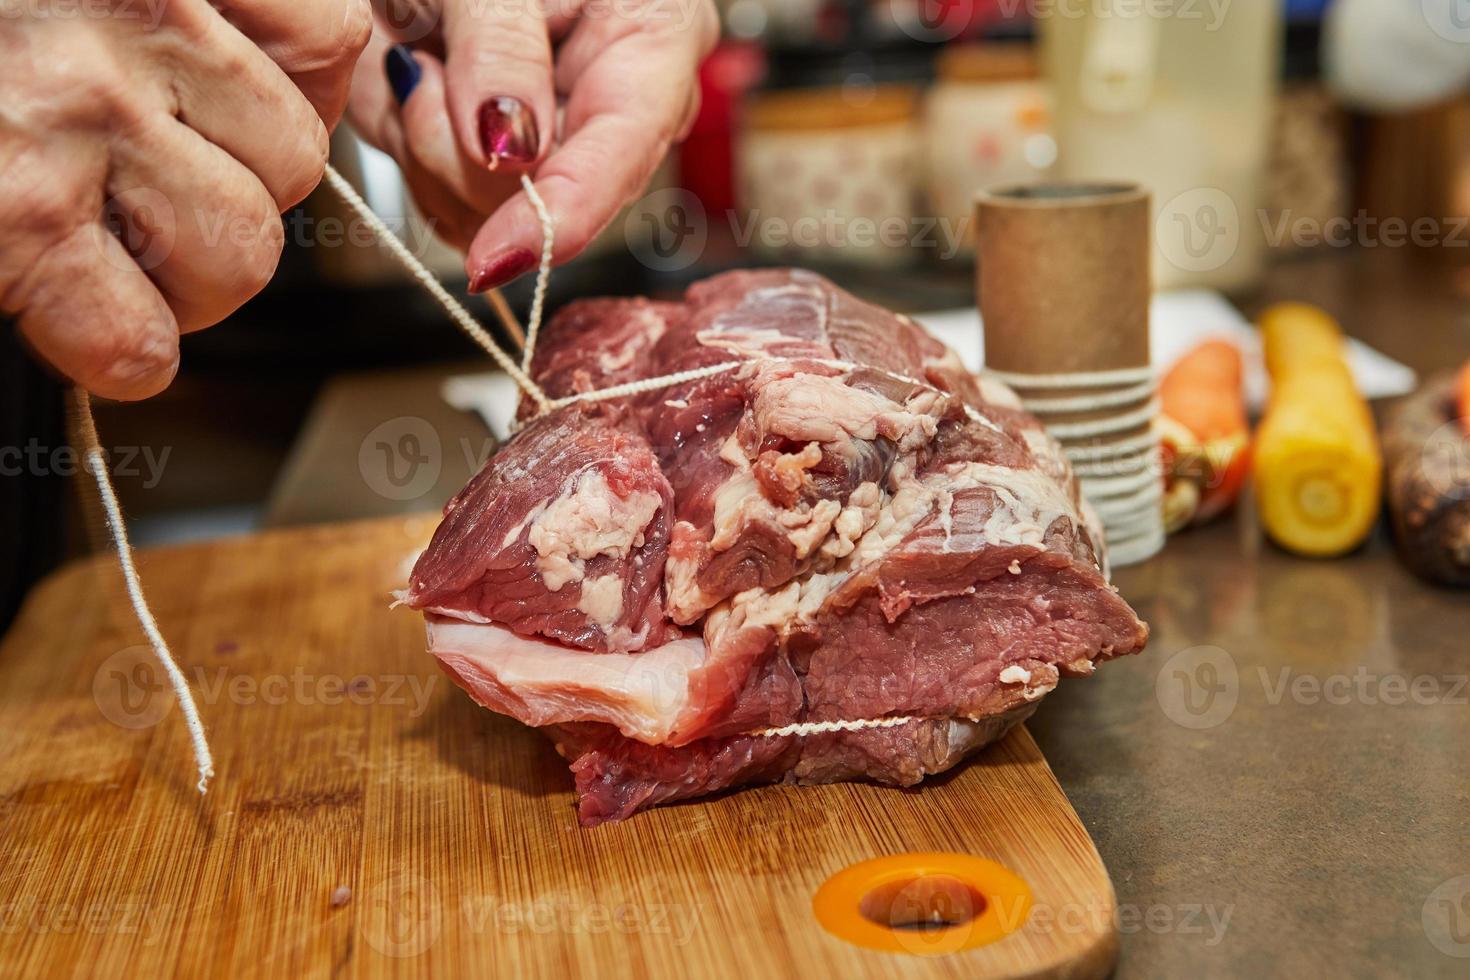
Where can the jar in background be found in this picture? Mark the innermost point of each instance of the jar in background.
(1178, 98)
(829, 174)
(987, 122)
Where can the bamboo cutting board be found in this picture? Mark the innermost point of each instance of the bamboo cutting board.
(368, 820)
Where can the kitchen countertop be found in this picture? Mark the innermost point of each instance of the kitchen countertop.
(1293, 748)
(1280, 784)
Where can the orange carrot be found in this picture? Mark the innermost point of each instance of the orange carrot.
(1204, 432)
(1203, 392)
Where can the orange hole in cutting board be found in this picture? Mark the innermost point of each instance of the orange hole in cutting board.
(923, 904)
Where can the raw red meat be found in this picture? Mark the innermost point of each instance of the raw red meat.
(563, 535)
(661, 579)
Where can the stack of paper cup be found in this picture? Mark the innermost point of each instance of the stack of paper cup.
(1105, 425)
(1064, 292)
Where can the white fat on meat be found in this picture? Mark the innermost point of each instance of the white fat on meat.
(864, 505)
(1049, 456)
(602, 600)
(1027, 503)
(542, 683)
(737, 502)
(732, 330)
(650, 325)
(818, 408)
(585, 521)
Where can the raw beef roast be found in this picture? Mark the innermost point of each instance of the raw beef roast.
(845, 527)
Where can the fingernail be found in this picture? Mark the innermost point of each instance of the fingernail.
(502, 267)
(508, 131)
(403, 71)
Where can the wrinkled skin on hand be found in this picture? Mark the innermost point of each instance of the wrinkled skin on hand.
(147, 151)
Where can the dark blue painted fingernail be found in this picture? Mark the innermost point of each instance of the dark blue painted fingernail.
(403, 72)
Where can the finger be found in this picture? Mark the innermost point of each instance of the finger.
(197, 222)
(629, 102)
(93, 315)
(240, 100)
(388, 74)
(430, 139)
(371, 105)
(315, 42)
(499, 80)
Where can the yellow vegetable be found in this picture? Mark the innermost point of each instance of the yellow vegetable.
(1318, 466)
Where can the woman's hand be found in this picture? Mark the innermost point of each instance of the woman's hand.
(146, 154)
(475, 104)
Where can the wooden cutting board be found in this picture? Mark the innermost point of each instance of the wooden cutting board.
(368, 820)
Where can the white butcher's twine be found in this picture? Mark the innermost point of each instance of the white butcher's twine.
(823, 727)
(97, 463)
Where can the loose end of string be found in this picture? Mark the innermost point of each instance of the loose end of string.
(97, 465)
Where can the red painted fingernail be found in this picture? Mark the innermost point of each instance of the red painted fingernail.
(508, 131)
(502, 267)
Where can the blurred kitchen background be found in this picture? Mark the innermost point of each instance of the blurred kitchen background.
(1291, 148)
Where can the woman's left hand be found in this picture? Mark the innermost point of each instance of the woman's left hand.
(474, 104)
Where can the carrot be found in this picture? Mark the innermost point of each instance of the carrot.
(1203, 393)
(1204, 432)
(1317, 461)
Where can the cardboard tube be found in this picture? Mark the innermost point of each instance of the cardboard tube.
(1064, 277)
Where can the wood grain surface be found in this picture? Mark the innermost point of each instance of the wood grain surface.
(368, 820)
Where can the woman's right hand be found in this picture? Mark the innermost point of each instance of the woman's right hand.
(146, 154)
